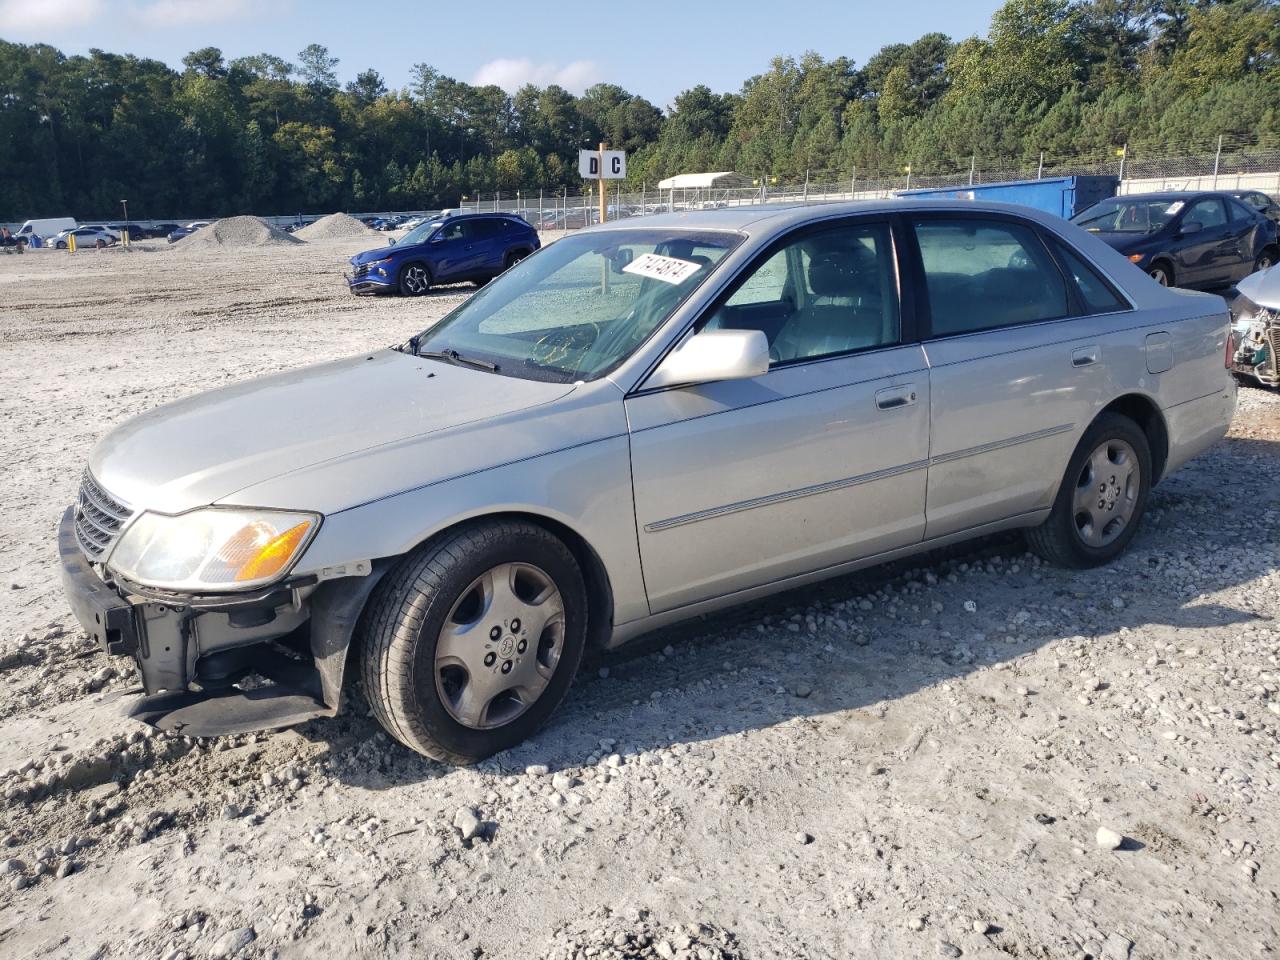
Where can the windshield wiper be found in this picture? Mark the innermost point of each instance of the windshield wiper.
(453, 356)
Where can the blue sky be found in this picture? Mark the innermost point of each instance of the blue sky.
(655, 48)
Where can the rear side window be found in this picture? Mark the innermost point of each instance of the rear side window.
(1096, 293)
(987, 274)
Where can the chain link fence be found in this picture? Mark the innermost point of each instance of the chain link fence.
(1229, 163)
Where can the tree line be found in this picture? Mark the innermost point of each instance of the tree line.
(262, 134)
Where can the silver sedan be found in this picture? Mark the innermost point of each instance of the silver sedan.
(640, 423)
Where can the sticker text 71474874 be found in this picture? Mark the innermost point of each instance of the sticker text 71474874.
(667, 269)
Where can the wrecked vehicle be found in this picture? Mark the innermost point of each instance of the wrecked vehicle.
(637, 424)
(1256, 328)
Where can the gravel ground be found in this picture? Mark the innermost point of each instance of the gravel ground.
(971, 754)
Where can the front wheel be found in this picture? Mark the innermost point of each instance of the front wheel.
(473, 642)
(1102, 497)
(1161, 273)
(415, 280)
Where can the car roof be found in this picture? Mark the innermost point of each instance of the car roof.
(1178, 194)
(772, 217)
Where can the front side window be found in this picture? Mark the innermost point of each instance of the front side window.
(1207, 212)
(581, 306)
(985, 274)
(822, 294)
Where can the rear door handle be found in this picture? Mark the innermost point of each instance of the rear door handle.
(891, 397)
(1084, 356)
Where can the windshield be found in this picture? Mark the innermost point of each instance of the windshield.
(581, 306)
(1128, 216)
(420, 233)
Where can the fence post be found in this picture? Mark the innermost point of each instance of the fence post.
(853, 184)
(1217, 158)
(806, 185)
(973, 166)
(1124, 155)
(1040, 169)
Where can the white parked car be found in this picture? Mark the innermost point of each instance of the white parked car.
(86, 237)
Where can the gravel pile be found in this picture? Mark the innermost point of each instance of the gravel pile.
(235, 232)
(336, 226)
(637, 937)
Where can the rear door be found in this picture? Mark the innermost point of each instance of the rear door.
(1014, 376)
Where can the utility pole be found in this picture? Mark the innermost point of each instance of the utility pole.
(604, 210)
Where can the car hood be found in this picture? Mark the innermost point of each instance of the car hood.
(370, 255)
(1263, 288)
(1122, 241)
(205, 448)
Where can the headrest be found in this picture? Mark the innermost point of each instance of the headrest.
(842, 272)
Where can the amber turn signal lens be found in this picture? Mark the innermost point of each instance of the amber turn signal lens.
(1135, 258)
(272, 556)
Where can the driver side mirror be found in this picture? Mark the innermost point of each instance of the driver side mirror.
(714, 355)
(391, 241)
(1190, 226)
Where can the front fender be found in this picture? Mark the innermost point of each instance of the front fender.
(585, 488)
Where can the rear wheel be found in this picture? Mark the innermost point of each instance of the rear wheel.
(415, 279)
(512, 258)
(1102, 497)
(1162, 273)
(1266, 259)
(473, 642)
(99, 243)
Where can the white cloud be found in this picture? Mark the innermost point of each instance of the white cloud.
(511, 75)
(170, 13)
(26, 17)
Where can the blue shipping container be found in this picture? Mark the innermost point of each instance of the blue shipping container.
(1065, 196)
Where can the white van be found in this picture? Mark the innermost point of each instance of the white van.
(48, 227)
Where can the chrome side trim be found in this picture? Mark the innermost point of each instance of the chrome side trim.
(1001, 444)
(767, 501)
(773, 498)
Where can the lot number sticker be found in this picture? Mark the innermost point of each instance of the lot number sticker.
(667, 269)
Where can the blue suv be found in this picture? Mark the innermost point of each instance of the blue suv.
(467, 247)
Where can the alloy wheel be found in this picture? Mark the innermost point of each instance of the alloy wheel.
(415, 279)
(500, 645)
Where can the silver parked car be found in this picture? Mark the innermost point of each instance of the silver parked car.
(640, 423)
(1256, 353)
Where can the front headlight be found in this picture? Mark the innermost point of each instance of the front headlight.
(375, 263)
(212, 548)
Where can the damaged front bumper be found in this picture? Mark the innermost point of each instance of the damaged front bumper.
(200, 657)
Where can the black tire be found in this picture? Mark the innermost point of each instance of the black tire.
(512, 258)
(62, 244)
(1162, 273)
(1267, 258)
(408, 611)
(414, 279)
(1059, 540)
(100, 244)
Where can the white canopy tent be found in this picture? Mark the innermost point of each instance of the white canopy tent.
(701, 185)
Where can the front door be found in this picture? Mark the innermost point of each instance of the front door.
(821, 460)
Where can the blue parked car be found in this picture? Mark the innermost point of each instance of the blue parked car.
(469, 247)
(1197, 240)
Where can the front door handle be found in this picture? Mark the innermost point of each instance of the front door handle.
(892, 397)
(1084, 356)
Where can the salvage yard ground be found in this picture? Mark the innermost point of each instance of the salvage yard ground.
(912, 762)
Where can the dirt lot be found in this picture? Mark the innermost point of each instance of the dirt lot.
(913, 762)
